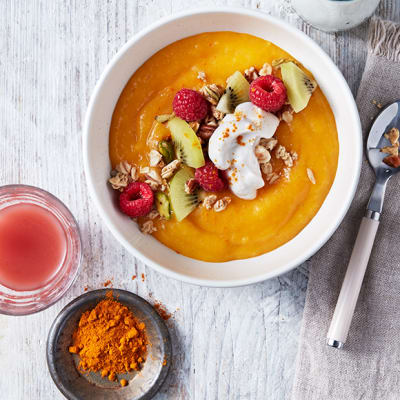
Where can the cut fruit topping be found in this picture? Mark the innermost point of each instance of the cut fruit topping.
(209, 178)
(136, 200)
(268, 92)
(182, 203)
(190, 105)
(187, 144)
(236, 92)
(163, 205)
(166, 149)
(299, 86)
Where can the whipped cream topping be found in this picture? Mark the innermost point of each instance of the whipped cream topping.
(232, 147)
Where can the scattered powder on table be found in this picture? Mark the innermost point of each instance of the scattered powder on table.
(143, 277)
(85, 288)
(133, 277)
(110, 339)
(107, 283)
(162, 311)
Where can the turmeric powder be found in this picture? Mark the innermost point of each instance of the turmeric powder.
(109, 339)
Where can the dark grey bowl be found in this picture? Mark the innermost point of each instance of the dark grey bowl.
(76, 386)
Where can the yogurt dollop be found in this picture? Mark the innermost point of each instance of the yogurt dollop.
(232, 147)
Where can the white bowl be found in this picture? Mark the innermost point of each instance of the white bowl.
(97, 164)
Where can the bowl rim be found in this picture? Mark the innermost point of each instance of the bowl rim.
(358, 151)
(59, 322)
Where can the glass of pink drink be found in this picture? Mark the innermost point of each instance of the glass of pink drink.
(40, 249)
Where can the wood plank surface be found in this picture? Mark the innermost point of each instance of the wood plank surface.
(238, 343)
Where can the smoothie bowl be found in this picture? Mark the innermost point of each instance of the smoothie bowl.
(222, 147)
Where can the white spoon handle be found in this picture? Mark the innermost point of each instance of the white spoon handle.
(351, 286)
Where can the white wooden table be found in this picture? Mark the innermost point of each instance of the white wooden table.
(228, 343)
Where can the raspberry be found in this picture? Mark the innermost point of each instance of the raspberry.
(189, 105)
(268, 92)
(209, 178)
(136, 200)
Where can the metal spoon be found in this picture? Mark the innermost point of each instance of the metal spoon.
(339, 328)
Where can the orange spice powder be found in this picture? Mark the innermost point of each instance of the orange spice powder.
(110, 339)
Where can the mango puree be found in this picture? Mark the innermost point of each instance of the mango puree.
(281, 210)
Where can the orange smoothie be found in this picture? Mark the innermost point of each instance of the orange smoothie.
(247, 228)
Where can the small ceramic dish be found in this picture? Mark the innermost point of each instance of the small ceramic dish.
(96, 146)
(75, 385)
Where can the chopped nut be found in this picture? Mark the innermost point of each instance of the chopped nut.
(265, 70)
(194, 125)
(202, 76)
(119, 181)
(272, 178)
(286, 157)
(155, 158)
(124, 167)
(207, 128)
(266, 168)
(148, 227)
(164, 117)
(153, 214)
(392, 150)
(269, 144)
(262, 154)
(144, 170)
(154, 175)
(169, 169)
(212, 93)
(276, 63)
(218, 115)
(153, 184)
(310, 175)
(220, 205)
(153, 179)
(392, 161)
(251, 74)
(190, 186)
(280, 151)
(287, 117)
(209, 201)
(286, 173)
(393, 137)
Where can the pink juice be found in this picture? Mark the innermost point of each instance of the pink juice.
(32, 246)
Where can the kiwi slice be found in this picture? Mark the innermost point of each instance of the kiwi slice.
(187, 144)
(236, 92)
(166, 149)
(182, 203)
(299, 86)
(163, 205)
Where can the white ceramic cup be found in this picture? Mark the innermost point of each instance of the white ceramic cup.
(97, 163)
(335, 15)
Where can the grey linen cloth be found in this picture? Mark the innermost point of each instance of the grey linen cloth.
(369, 365)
